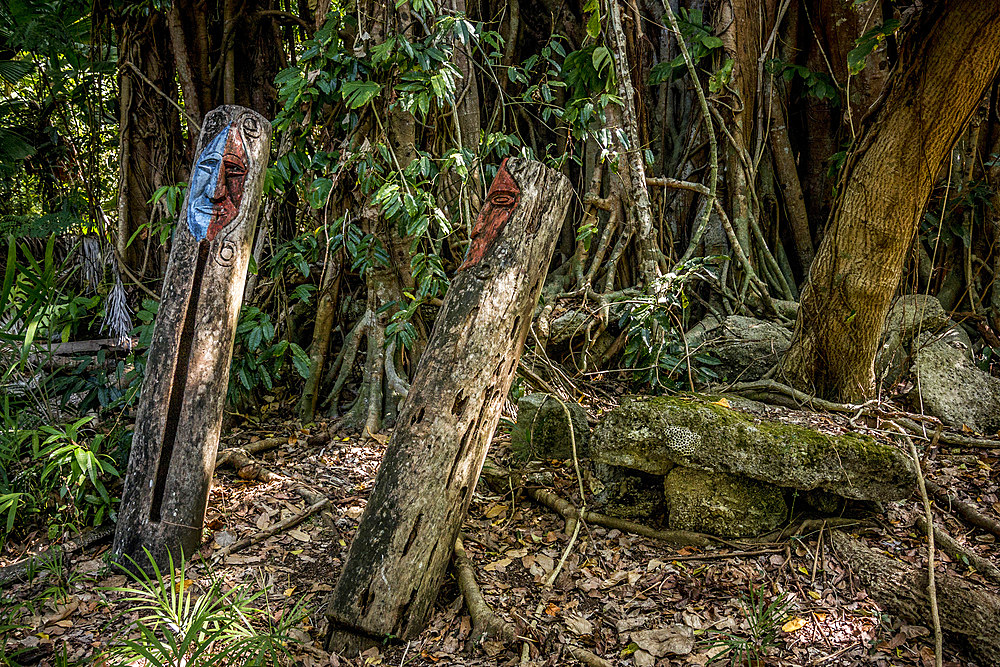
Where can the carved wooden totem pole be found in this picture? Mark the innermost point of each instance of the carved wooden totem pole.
(399, 555)
(187, 371)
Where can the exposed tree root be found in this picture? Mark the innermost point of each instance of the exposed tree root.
(959, 553)
(486, 624)
(344, 363)
(969, 612)
(572, 515)
(963, 509)
(766, 389)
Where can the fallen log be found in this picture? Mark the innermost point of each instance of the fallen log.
(404, 542)
(970, 614)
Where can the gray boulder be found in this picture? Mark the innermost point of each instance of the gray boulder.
(542, 432)
(722, 504)
(747, 347)
(910, 315)
(950, 385)
(653, 434)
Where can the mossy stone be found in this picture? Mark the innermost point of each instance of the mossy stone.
(654, 433)
(542, 432)
(722, 504)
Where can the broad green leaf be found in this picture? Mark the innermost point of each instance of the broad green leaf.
(359, 93)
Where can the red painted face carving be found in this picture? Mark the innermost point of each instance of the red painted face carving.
(228, 193)
(500, 203)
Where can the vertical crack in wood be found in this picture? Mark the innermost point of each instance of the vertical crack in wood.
(177, 386)
(413, 534)
(365, 600)
(461, 451)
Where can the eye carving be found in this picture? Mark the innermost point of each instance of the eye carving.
(251, 127)
(235, 169)
(503, 199)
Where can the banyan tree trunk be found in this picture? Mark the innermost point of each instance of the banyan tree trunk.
(403, 545)
(951, 58)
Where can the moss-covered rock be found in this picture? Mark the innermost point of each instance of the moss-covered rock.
(542, 432)
(722, 504)
(654, 433)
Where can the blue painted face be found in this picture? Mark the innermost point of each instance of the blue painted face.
(217, 184)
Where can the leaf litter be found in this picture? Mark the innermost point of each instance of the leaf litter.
(626, 598)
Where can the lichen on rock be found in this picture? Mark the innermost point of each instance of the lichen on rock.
(722, 504)
(653, 434)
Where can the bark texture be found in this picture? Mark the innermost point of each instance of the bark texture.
(969, 612)
(398, 558)
(885, 185)
(179, 415)
(152, 147)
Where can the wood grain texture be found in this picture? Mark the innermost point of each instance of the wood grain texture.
(399, 555)
(179, 415)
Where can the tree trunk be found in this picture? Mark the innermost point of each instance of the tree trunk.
(637, 203)
(179, 415)
(151, 146)
(399, 555)
(953, 56)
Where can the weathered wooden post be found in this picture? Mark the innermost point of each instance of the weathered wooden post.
(179, 415)
(400, 553)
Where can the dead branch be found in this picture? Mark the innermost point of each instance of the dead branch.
(963, 509)
(288, 523)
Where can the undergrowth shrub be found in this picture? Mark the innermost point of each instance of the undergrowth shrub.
(177, 625)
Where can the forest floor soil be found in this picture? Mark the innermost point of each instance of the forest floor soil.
(612, 588)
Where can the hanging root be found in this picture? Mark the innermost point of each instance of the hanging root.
(344, 362)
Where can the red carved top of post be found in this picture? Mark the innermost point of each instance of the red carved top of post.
(503, 198)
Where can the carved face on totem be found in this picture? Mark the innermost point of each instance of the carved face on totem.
(217, 182)
(500, 203)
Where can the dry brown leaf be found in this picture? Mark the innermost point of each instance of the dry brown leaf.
(578, 625)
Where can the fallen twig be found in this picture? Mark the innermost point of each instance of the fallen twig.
(963, 509)
(290, 522)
